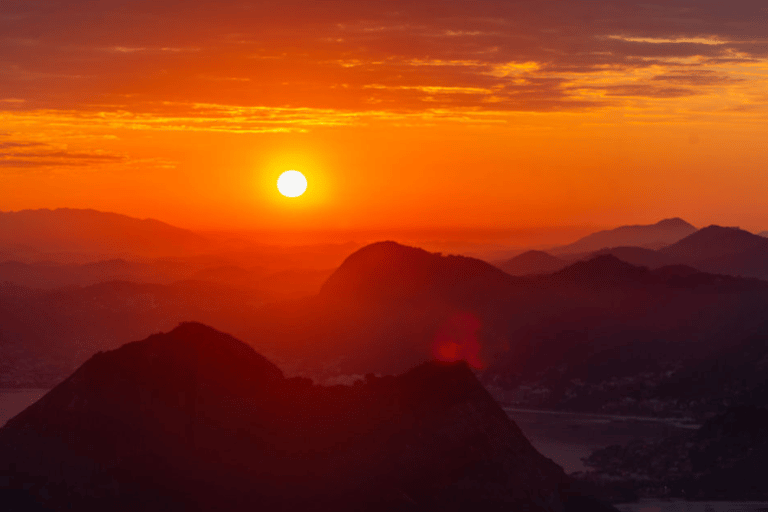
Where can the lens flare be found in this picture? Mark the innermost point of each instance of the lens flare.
(457, 339)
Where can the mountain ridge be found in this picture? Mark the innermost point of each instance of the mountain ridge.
(664, 232)
(389, 270)
(137, 425)
(723, 250)
(531, 263)
(89, 230)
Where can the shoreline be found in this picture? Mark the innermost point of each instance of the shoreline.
(687, 423)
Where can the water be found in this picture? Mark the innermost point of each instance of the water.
(13, 401)
(693, 506)
(567, 437)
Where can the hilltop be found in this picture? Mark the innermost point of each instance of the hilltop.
(194, 419)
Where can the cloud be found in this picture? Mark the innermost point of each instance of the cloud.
(32, 154)
(700, 78)
(12, 145)
(405, 57)
(647, 91)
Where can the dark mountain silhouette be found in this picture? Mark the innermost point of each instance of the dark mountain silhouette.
(531, 262)
(600, 335)
(596, 322)
(723, 250)
(715, 249)
(388, 271)
(646, 328)
(638, 256)
(601, 271)
(196, 420)
(618, 329)
(714, 242)
(91, 231)
(387, 308)
(654, 236)
(763, 233)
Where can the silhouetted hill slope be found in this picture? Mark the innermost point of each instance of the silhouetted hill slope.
(763, 233)
(389, 307)
(723, 250)
(601, 335)
(638, 256)
(667, 231)
(601, 271)
(531, 262)
(714, 242)
(623, 334)
(388, 271)
(196, 420)
(91, 231)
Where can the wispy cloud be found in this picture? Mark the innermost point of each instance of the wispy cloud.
(25, 154)
(665, 40)
(286, 70)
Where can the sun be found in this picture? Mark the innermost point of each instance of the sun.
(291, 183)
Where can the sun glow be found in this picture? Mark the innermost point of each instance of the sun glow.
(292, 183)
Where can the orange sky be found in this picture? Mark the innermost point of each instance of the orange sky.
(452, 113)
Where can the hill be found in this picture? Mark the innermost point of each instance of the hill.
(91, 231)
(601, 335)
(531, 262)
(638, 256)
(724, 250)
(602, 271)
(667, 231)
(586, 338)
(714, 242)
(624, 339)
(388, 271)
(196, 420)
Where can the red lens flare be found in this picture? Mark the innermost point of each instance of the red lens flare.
(457, 339)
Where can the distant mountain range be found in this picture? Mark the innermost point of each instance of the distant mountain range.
(680, 331)
(196, 420)
(653, 236)
(714, 242)
(578, 319)
(723, 250)
(716, 249)
(531, 263)
(91, 231)
(389, 307)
